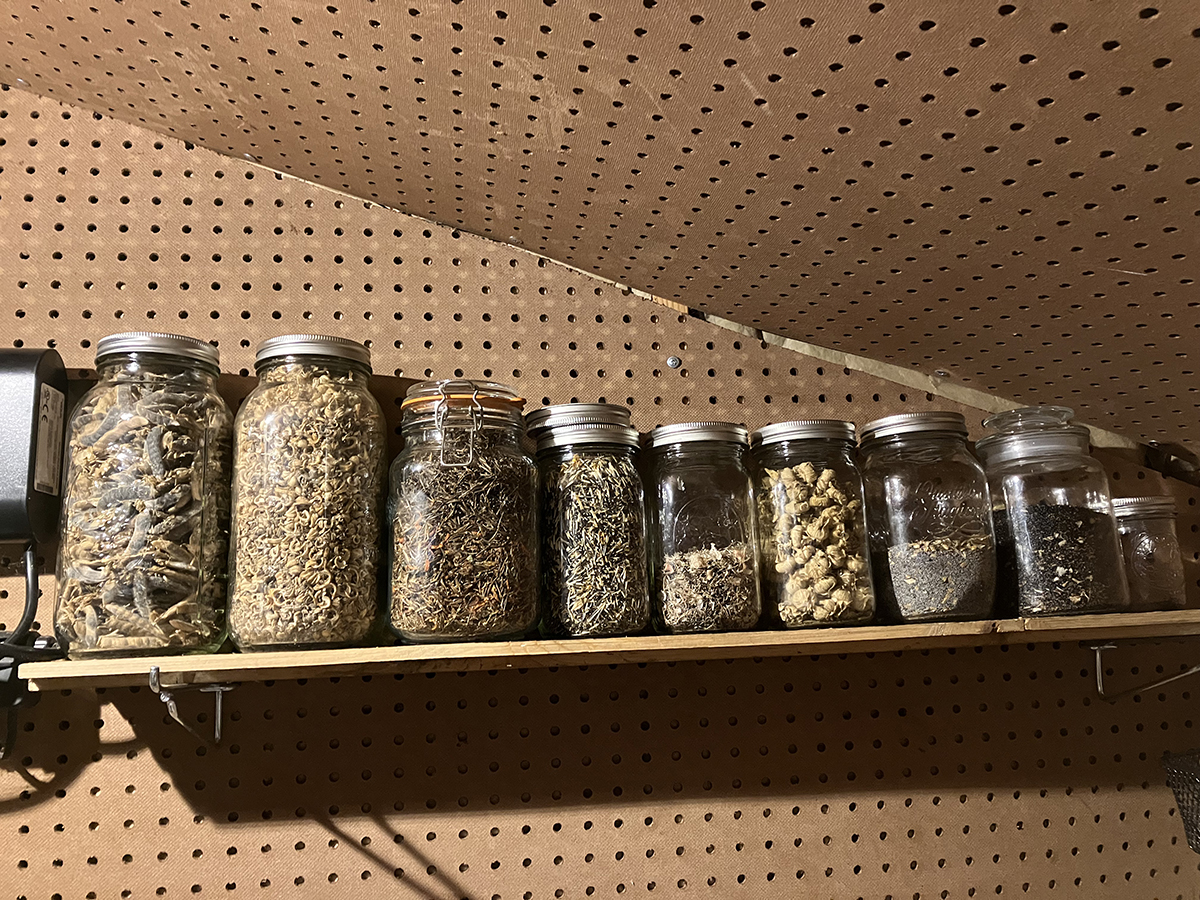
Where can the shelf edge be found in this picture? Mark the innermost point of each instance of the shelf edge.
(404, 659)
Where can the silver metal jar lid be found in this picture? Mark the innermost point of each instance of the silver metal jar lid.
(805, 429)
(587, 433)
(698, 431)
(312, 345)
(561, 415)
(155, 342)
(914, 423)
(1133, 507)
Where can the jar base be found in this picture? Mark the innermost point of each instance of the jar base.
(138, 652)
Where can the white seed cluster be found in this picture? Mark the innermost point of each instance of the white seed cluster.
(816, 541)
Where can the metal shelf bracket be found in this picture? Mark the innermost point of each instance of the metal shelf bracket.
(1140, 689)
(167, 696)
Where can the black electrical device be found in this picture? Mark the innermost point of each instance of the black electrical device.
(33, 414)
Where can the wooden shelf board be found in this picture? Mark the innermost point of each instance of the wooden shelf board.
(266, 666)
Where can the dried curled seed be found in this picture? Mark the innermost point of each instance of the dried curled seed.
(309, 470)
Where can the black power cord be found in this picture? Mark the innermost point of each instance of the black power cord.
(18, 646)
(13, 644)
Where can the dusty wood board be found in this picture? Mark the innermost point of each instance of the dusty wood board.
(239, 667)
(1001, 192)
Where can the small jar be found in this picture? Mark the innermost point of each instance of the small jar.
(308, 483)
(463, 513)
(929, 516)
(1057, 540)
(145, 525)
(812, 525)
(593, 522)
(1153, 562)
(701, 523)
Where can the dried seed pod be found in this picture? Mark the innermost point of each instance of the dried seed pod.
(146, 510)
(309, 471)
(813, 536)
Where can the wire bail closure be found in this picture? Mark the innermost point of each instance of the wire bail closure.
(439, 418)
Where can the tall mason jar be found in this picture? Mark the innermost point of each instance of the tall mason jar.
(701, 522)
(309, 457)
(593, 521)
(463, 513)
(812, 525)
(1153, 562)
(145, 525)
(930, 518)
(1056, 536)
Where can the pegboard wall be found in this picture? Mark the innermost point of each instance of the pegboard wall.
(108, 228)
(1005, 193)
(942, 774)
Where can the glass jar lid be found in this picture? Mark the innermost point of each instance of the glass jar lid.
(484, 399)
(803, 430)
(464, 405)
(587, 433)
(1031, 432)
(1029, 418)
(915, 423)
(155, 342)
(563, 414)
(1139, 507)
(727, 432)
(311, 345)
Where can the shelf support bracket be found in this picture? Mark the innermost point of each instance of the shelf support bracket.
(167, 696)
(1140, 689)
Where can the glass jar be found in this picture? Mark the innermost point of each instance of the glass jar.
(145, 525)
(812, 525)
(929, 516)
(1056, 538)
(463, 513)
(308, 478)
(701, 523)
(1153, 562)
(593, 522)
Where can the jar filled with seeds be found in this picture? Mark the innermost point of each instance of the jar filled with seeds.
(1056, 537)
(309, 456)
(463, 513)
(701, 524)
(929, 519)
(593, 525)
(812, 525)
(1153, 562)
(145, 525)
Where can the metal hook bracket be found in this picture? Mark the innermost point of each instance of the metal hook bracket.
(167, 696)
(439, 419)
(1140, 689)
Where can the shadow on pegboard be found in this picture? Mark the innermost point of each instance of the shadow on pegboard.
(54, 747)
(805, 727)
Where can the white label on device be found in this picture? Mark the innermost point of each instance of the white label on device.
(47, 466)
